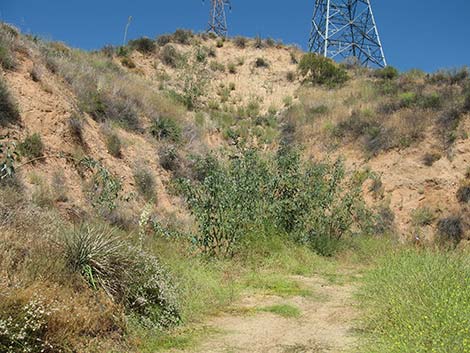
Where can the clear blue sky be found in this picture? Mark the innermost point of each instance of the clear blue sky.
(426, 34)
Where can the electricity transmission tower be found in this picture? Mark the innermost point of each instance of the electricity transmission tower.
(344, 29)
(218, 19)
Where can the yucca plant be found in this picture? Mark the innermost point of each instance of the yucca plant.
(102, 257)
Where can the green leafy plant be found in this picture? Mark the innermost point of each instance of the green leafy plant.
(144, 45)
(317, 69)
(145, 183)
(7, 158)
(163, 128)
(387, 73)
(32, 146)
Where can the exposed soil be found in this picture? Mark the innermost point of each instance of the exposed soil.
(325, 324)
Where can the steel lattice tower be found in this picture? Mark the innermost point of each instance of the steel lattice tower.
(343, 29)
(218, 19)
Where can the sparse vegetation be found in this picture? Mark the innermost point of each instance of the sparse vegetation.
(170, 56)
(144, 182)
(261, 62)
(144, 45)
(163, 128)
(240, 42)
(114, 145)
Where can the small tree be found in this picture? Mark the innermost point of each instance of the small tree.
(319, 70)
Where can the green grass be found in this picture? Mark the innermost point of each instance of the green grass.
(275, 284)
(417, 302)
(284, 310)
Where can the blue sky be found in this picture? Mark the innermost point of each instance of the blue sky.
(426, 34)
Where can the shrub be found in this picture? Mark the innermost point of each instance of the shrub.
(32, 146)
(128, 62)
(290, 76)
(170, 56)
(450, 229)
(240, 42)
(261, 62)
(144, 45)
(36, 73)
(169, 158)
(75, 127)
(219, 43)
(387, 73)
(182, 36)
(129, 275)
(430, 158)
(201, 54)
(163, 128)
(59, 186)
(114, 145)
(145, 183)
(216, 66)
(163, 40)
(306, 201)
(270, 42)
(9, 112)
(8, 38)
(8, 158)
(317, 69)
(463, 193)
(448, 122)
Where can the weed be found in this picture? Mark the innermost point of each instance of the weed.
(417, 302)
(163, 128)
(232, 68)
(450, 229)
(284, 310)
(128, 62)
(290, 76)
(219, 43)
(258, 43)
(387, 73)
(114, 144)
(430, 158)
(59, 186)
(182, 36)
(75, 127)
(169, 158)
(216, 66)
(36, 73)
(423, 216)
(170, 56)
(32, 146)
(163, 40)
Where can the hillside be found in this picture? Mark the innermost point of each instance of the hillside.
(105, 136)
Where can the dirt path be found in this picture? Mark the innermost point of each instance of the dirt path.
(325, 322)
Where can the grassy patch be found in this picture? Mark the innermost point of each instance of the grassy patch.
(284, 310)
(274, 284)
(418, 302)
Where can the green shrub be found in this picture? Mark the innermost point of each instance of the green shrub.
(258, 43)
(8, 39)
(32, 146)
(240, 42)
(129, 275)
(261, 62)
(310, 202)
(232, 68)
(216, 66)
(417, 302)
(430, 158)
(144, 182)
(317, 69)
(114, 145)
(163, 128)
(144, 45)
(8, 158)
(270, 42)
(170, 56)
(201, 54)
(290, 76)
(219, 43)
(387, 73)
(9, 112)
(182, 36)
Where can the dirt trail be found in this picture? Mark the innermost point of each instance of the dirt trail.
(325, 323)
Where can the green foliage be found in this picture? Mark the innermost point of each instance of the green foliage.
(104, 188)
(128, 275)
(144, 45)
(306, 201)
(9, 112)
(169, 158)
(182, 36)
(32, 146)
(170, 56)
(164, 128)
(145, 183)
(216, 66)
(232, 68)
(114, 145)
(319, 70)
(8, 38)
(7, 158)
(163, 40)
(128, 62)
(387, 73)
(417, 302)
(423, 216)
